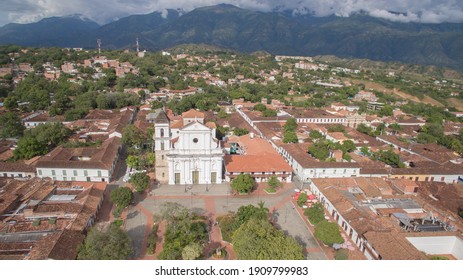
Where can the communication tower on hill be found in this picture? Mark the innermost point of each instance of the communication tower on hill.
(99, 46)
(138, 46)
(139, 53)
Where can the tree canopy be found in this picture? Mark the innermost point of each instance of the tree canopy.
(132, 136)
(243, 183)
(257, 239)
(186, 233)
(122, 197)
(328, 233)
(111, 243)
(315, 213)
(140, 181)
(319, 150)
(41, 139)
(10, 125)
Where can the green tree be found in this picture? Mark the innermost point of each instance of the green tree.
(385, 111)
(111, 243)
(222, 114)
(29, 147)
(315, 213)
(10, 125)
(302, 199)
(315, 134)
(270, 113)
(243, 183)
(183, 228)
(121, 196)
(132, 136)
(348, 146)
(395, 127)
(260, 107)
(346, 157)
(390, 158)
(192, 251)
(140, 181)
(319, 150)
(364, 129)
(336, 128)
(424, 138)
(11, 102)
(41, 139)
(240, 131)
(290, 136)
(328, 233)
(274, 182)
(259, 240)
(156, 104)
(289, 131)
(365, 151)
(132, 161)
(150, 158)
(245, 213)
(290, 125)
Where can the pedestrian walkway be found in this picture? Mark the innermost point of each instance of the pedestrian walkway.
(186, 190)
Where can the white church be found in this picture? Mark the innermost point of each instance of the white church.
(187, 151)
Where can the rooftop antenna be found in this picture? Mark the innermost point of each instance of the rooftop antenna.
(138, 46)
(99, 46)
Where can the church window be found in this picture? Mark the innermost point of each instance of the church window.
(162, 132)
(195, 140)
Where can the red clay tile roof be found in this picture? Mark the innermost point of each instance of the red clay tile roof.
(18, 166)
(57, 246)
(192, 113)
(255, 163)
(391, 246)
(299, 153)
(100, 158)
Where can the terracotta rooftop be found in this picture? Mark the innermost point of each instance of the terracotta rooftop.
(192, 114)
(85, 157)
(434, 152)
(254, 163)
(161, 117)
(57, 246)
(390, 246)
(18, 166)
(299, 153)
(448, 196)
(50, 240)
(432, 169)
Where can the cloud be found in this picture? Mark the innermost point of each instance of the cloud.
(103, 11)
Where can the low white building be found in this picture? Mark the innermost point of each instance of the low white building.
(306, 167)
(16, 170)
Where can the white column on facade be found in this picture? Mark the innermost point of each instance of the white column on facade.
(171, 171)
(207, 170)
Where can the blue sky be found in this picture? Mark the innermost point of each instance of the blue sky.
(104, 11)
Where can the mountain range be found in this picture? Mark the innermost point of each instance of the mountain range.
(357, 36)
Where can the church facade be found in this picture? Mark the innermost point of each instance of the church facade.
(187, 151)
